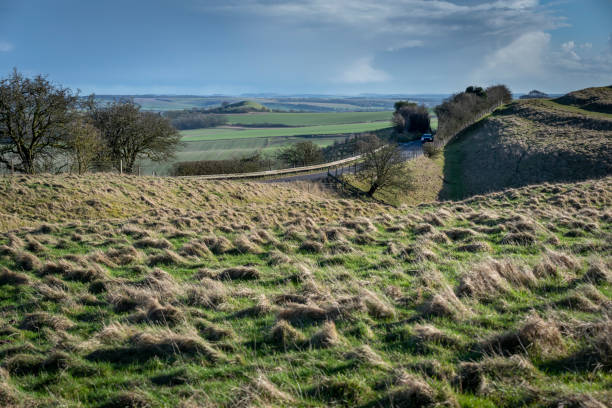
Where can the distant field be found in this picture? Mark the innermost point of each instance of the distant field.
(308, 119)
(228, 133)
(230, 148)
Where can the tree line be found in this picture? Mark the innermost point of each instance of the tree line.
(46, 127)
(462, 109)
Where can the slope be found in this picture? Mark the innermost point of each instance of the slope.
(231, 294)
(527, 142)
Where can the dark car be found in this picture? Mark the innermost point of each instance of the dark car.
(427, 137)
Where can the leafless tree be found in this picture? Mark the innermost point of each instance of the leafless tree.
(383, 165)
(131, 135)
(84, 145)
(34, 120)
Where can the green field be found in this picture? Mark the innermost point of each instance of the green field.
(229, 133)
(308, 119)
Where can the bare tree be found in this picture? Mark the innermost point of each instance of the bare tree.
(301, 154)
(383, 165)
(84, 145)
(34, 120)
(131, 135)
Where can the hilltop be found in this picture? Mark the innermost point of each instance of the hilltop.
(241, 107)
(163, 292)
(530, 141)
(597, 99)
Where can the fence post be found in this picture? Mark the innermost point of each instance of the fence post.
(139, 170)
(121, 166)
(12, 168)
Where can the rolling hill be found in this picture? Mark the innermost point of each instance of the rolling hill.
(532, 141)
(158, 292)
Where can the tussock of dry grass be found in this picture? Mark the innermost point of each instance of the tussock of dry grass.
(536, 335)
(239, 272)
(326, 337)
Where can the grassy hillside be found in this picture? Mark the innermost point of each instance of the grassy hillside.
(529, 141)
(143, 292)
(242, 107)
(597, 99)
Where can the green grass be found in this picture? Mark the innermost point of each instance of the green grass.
(376, 296)
(308, 119)
(224, 133)
(574, 109)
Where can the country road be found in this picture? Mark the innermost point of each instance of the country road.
(410, 147)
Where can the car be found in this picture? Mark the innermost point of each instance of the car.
(427, 137)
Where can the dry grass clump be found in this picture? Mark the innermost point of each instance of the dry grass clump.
(218, 244)
(445, 303)
(260, 392)
(127, 399)
(475, 376)
(213, 332)
(326, 337)
(376, 306)
(311, 246)
(556, 264)
(427, 333)
(585, 298)
(478, 246)
(535, 336)
(412, 392)
(38, 320)
(422, 229)
(159, 243)
(26, 261)
(208, 293)
(491, 277)
(155, 313)
(457, 234)
(276, 257)
(157, 343)
(519, 238)
(300, 313)
(284, 335)
(243, 245)
(239, 273)
(24, 364)
(360, 225)
(365, 355)
(167, 257)
(33, 245)
(195, 248)
(598, 272)
(8, 277)
(124, 255)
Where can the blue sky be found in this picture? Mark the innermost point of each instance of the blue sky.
(308, 46)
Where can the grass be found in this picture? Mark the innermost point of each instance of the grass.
(309, 119)
(229, 133)
(526, 142)
(268, 295)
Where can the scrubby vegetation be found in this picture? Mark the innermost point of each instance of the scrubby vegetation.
(165, 292)
(528, 141)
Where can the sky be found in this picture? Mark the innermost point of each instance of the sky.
(346, 47)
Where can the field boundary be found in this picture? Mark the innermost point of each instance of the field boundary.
(279, 172)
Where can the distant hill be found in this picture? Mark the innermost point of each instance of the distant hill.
(241, 107)
(532, 141)
(534, 95)
(598, 99)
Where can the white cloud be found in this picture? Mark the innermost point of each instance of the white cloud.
(569, 49)
(522, 57)
(362, 72)
(6, 46)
